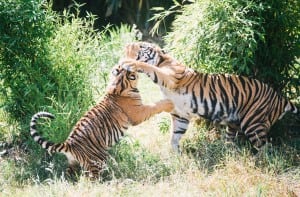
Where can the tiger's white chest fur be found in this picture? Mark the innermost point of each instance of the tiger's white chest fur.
(182, 103)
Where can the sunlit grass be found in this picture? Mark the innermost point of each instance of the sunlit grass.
(236, 178)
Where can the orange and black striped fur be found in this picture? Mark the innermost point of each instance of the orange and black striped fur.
(245, 105)
(103, 125)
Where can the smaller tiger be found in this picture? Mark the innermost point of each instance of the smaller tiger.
(103, 125)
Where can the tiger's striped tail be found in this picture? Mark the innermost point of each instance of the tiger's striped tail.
(34, 133)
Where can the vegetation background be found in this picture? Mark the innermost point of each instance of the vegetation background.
(56, 56)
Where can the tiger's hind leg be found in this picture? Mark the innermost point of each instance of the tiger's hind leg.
(73, 171)
(179, 127)
(257, 134)
(231, 134)
(93, 169)
(73, 168)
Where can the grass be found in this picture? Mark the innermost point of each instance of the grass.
(144, 165)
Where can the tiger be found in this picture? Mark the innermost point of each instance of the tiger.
(244, 105)
(103, 125)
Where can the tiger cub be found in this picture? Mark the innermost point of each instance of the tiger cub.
(245, 105)
(103, 125)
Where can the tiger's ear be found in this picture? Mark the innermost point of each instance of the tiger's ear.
(131, 50)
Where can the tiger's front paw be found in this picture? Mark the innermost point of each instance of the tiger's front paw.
(130, 65)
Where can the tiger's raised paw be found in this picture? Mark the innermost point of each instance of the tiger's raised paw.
(130, 65)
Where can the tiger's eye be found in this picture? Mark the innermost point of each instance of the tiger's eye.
(132, 77)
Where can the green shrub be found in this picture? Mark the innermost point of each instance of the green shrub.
(55, 63)
(220, 36)
(253, 38)
(25, 31)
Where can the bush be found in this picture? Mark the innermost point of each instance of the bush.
(220, 36)
(253, 38)
(25, 31)
(55, 63)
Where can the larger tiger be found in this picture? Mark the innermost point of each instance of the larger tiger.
(245, 105)
(102, 125)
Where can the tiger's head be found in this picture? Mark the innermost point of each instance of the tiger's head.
(145, 52)
(123, 82)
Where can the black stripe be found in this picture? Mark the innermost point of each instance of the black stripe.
(201, 94)
(224, 95)
(242, 82)
(205, 108)
(160, 60)
(194, 101)
(180, 131)
(155, 77)
(48, 144)
(181, 119)
(58, 149)
(204, 79)
(34, 135)
(41, 140)
(213, 99)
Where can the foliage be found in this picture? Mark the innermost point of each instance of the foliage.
(25, 30)
(55, 63)
(274, 59)
(164, 125)
(134, 12)
(161, 15)
(219, 35)
(253, 38)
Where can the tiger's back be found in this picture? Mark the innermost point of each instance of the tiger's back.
(231, 98)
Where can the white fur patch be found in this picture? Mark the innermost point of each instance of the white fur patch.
(44, 144)
(36, 138)
(70, 157)
(182, 103)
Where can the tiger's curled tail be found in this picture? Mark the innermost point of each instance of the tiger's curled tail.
(49, 146)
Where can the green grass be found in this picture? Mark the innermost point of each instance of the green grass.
(143, 164)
